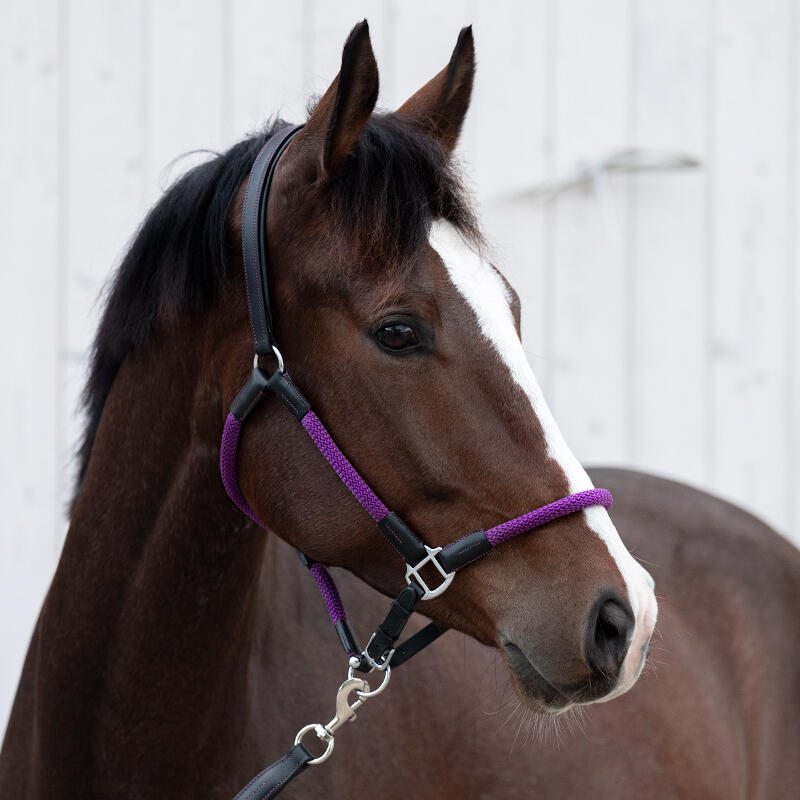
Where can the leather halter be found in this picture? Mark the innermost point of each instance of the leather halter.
(380, 653)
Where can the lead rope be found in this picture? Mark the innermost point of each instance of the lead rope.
(272, 780)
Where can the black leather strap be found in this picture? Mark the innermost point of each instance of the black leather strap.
(388, 632)
(254, 246)
(414, 644)
(402, 538)
(347, 637)
(464, 550)
(274, 778)
(279, 383)
(250, 395)
(283, 387)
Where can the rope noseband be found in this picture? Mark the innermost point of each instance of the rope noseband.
(380, 654)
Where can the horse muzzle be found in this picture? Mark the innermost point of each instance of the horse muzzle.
(557, 673)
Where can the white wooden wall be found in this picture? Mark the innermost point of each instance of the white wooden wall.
(660, 310)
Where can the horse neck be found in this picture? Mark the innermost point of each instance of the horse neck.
(149, 618)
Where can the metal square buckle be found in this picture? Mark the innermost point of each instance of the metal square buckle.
(412, 573)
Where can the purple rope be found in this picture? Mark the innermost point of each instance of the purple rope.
(230, 480)
(541, 516)
(330, 594)
(227, 466)
(343, 468)
(372, 503)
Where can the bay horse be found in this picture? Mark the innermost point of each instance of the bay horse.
(180, 647)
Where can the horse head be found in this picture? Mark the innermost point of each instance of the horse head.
(406, 340)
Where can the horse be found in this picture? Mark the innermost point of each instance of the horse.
(179, 648)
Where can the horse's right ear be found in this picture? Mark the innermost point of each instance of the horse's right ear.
(335, 124)
(442, 103)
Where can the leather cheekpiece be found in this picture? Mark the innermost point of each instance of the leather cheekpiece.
(254, 221)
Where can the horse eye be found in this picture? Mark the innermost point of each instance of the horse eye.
(396, 336)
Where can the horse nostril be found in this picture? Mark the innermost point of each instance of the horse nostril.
(608, 635)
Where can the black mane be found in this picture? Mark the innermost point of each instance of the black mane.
(397, 180)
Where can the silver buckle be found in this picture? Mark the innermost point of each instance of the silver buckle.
(378, 665)
(412, 573)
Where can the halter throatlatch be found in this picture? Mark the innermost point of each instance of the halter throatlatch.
(381, 653)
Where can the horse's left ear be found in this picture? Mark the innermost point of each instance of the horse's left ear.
(334, 126)
(442, 103)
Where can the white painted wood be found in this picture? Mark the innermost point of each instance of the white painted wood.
(509, 113)
(188, 106)
(327, 35)
(105, 198)
(793, 281)
(32, 55)
(268, 75)
(425, 34)
(588, 269)
(748, 262)
(666, 284)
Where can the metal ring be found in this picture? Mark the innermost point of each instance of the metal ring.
(364, 695)
(322, 735)
(277, 355)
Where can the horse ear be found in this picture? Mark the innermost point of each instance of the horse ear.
(337, 121)
(442, 103)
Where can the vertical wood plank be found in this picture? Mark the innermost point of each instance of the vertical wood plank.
(424, 36)
(793, 281)
(184, 87)
(268, 64)
(589, 276)
(31, 78)
(668, 244)
(104, 201)
(331, 24)
(505, 127)
(504, 143)
(749, 226)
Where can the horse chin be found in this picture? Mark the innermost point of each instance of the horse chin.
(544, 696)
(533, 687)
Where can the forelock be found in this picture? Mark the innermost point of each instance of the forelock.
(395, 183)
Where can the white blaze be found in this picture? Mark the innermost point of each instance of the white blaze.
(486, 293)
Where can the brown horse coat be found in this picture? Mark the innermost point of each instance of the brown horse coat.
(716, 716)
